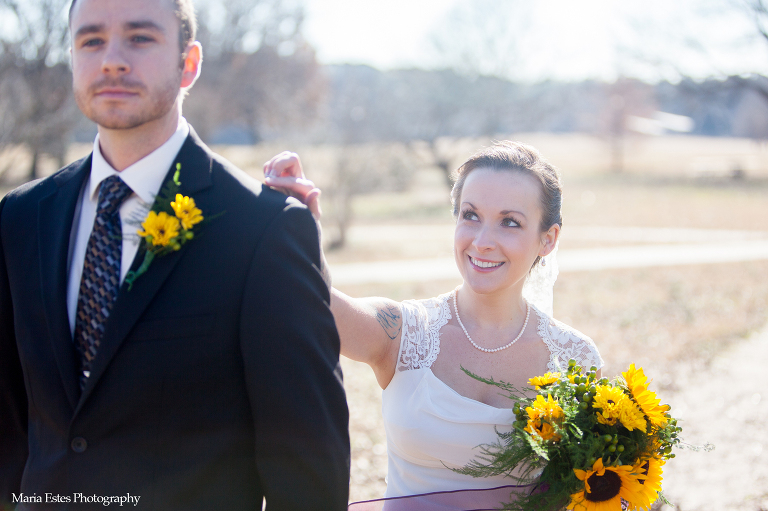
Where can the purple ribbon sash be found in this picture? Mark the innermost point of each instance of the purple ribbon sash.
(456, 500)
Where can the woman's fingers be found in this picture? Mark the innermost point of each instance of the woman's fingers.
(302, 189)
(285, 174)
(269, 169)
(299, 187)
(285, 164)
(312, 200)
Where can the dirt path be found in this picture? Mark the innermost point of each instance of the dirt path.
(725, 404)
(585, 259)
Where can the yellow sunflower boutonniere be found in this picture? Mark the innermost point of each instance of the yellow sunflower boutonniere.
(186, 211)
(167, 227)
(160, 229)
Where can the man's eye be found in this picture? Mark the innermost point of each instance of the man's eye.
(92, 42)
(142, 39)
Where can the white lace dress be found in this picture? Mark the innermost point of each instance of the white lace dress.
(429, 425)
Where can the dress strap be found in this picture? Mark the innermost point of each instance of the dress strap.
(566, 343)
(420, 341)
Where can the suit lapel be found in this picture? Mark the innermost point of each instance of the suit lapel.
(55, 214)
(195, 176)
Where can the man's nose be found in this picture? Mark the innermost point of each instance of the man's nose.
(115, 61)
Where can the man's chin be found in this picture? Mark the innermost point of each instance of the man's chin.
(113, 122)
(116, 118)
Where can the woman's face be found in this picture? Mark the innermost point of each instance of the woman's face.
(498, 235)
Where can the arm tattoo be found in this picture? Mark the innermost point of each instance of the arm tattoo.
(388, 316)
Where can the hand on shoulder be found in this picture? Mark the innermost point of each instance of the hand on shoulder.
(285, 174)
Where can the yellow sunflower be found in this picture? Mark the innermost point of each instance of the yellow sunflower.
(645, 399)
(545, 408)
(162, 228)
(608, 399)
(631, 416)
(604, 487)
(542, 429)
(616, 406)
(540, 381)
(186, 211)
(648, 473)
(542, 414)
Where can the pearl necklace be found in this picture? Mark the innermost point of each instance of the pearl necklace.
(491, 350)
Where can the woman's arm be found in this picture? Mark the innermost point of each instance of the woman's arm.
(369, 328)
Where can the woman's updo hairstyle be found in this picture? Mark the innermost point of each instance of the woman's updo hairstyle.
(516, 157)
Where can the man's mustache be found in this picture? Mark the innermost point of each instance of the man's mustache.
(116, 83)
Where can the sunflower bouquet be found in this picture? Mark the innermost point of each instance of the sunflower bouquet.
(590, 444)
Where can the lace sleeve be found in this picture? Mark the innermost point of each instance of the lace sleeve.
(420, 341)
(567, 343)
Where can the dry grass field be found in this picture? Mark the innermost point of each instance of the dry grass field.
(670, 320)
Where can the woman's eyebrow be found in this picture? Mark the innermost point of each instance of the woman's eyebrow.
(508, 211)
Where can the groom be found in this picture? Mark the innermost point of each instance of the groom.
(212, 382)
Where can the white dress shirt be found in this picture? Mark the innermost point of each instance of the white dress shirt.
(145, 177)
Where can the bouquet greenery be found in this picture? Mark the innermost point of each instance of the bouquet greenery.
(597, 445)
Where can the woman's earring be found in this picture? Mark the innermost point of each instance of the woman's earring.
(543, 262)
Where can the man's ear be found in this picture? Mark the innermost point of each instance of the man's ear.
(192, 64)
(549, 240)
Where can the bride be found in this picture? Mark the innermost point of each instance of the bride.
(507, 206)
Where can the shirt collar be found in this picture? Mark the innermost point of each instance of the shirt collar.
(146, 176)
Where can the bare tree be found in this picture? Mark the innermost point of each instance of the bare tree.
(750, 118)
(758, 11)
(363, 169)
(478, 38)
(35, 83)
(259, 72)
(484, 37)
(363, 118)
(623, 98)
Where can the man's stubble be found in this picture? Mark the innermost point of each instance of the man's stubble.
(161, 101)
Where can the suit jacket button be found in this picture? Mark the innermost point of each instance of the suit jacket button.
(79, 444)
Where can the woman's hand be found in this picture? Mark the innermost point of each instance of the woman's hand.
(285, 174)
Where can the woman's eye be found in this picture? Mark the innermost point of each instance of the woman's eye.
(509, 222)
(469, 215)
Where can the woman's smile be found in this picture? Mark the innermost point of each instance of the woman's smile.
(482, 264)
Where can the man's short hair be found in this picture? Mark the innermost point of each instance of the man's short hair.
(185, 13)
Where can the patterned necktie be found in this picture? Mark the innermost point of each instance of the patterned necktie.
(101, 273)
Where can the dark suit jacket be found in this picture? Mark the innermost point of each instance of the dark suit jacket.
(217, 381)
